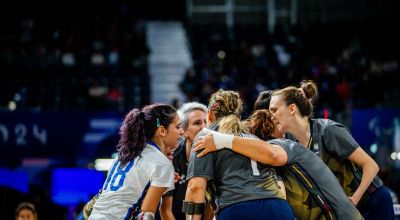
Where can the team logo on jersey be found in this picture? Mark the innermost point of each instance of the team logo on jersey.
(315, 148)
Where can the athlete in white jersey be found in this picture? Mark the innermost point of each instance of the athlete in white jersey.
(142, 173)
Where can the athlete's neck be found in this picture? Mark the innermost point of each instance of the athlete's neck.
(301, 130)
(159, 143)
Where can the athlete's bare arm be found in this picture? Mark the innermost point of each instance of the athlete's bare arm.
(369, 171)
(196, 192)
(255, 149)
(152, 199)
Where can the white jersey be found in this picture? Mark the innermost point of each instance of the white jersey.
(125, 186)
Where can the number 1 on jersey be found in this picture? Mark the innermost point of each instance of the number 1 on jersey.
(254, 167)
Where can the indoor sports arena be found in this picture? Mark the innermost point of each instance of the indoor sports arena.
(200, 109)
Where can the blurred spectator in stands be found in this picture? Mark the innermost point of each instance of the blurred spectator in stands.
(282, 56)
(190, 85)
(113, 60)
(68, 59)
(97, 95)
(343, 89)
(97, 59)
(25, 211)
(114, 96)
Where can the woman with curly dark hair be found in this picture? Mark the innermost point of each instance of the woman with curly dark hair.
(142, 172)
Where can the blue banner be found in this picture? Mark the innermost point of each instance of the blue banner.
(375, 126)
(65, 135)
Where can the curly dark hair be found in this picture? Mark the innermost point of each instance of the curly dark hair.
(140, 126)
(260, 123)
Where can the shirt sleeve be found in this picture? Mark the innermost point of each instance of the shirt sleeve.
(200, 167)
(338, 141)
(289, 146)
(162, 175)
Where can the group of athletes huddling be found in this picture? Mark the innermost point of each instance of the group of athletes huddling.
(280, 163)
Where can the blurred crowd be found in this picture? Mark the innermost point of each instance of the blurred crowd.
(357, 69)
(76, 60)
(98, 62)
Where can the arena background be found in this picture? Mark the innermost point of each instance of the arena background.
(70, 72)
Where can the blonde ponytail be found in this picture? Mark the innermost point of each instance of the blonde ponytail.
(231, 124)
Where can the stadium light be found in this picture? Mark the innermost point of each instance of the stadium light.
(393, 156)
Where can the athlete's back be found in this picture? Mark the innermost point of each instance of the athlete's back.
(126, 185)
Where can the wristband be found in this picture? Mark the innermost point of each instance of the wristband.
(221, 140)
(192, 208)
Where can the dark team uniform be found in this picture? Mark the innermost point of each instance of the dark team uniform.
(180, 164)
(311, 188)
(333, 143)
(240, 180)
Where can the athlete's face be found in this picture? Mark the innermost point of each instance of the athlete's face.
(277, 133)
(281, 112)
(25, 214)
(172, 135)
(197, 121)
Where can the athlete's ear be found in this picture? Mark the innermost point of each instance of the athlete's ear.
(162, 131)
(185, 133)
(292, 109)
(210, 116)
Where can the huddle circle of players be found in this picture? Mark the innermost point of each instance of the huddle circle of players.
(202, 162)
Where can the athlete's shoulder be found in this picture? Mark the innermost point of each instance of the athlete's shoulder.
(324, 121)
(330, 127)
(279, 141)
(283, 142)
(153, 155)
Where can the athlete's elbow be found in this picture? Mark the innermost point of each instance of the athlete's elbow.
(196, 184)
(278, 159)
(370, 165)
(375, 167)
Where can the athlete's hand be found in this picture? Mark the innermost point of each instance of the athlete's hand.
(205, 142)
(354, 200)
(177, 177)
(170, 156)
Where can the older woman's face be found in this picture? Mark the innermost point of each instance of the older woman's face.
(196, 122)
